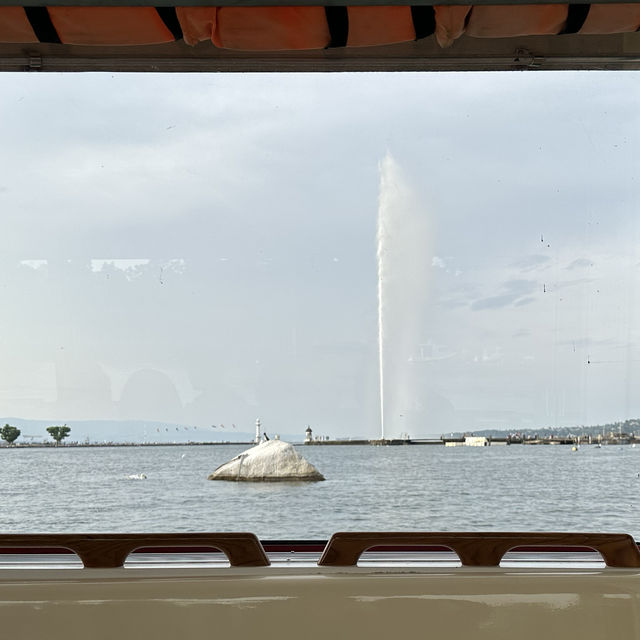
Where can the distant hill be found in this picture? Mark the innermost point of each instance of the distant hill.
(136, 431)
(628, 426)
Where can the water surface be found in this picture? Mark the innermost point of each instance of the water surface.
(430, 488)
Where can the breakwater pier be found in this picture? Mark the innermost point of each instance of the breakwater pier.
(485, 441)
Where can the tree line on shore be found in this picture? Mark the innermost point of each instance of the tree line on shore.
(621, 428)
(10, 434)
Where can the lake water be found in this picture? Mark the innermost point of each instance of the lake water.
(429, 488)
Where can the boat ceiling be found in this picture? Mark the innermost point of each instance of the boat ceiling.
(251, 35)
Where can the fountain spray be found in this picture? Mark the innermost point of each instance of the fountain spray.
(404, 256)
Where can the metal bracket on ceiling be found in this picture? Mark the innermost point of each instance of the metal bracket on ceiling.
(525, 59)
(34, 62)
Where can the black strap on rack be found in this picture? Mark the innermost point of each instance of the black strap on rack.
(338, 21)
(41, 24)
(424, 21)
(170, 19)
(576, 17)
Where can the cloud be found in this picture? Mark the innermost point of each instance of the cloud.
(454, 303)
(531, 262)
(34, 264)
(580, 263)
(586, 342)
(563, 284)
(514, 290)
(438, 262)
(494, 302)
(521, 287)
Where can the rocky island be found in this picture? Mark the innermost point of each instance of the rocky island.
(270, 461)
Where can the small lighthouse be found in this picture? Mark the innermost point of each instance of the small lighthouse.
(308, 437)
(257, 440)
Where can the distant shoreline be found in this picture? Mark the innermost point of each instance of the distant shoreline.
(96, 445)
(624, 439)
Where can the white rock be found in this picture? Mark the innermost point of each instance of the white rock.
(269, 461)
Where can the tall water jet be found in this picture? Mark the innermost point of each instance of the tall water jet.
(405, 259)
(381, 264)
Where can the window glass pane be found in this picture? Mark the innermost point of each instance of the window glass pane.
(184, 254)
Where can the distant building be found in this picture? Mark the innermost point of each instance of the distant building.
(308, 434)
(476, 441)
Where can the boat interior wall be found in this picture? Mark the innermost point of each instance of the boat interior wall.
(485, 604)
(289, 598)
(331, 598)
(317, 38)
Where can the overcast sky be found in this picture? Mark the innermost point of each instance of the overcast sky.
(202, 249)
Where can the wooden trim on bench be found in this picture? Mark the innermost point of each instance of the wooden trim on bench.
(481, 549)
(110, 550)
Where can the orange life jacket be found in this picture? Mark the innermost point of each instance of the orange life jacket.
(296, 28)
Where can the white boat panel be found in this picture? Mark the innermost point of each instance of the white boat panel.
(320, 603)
